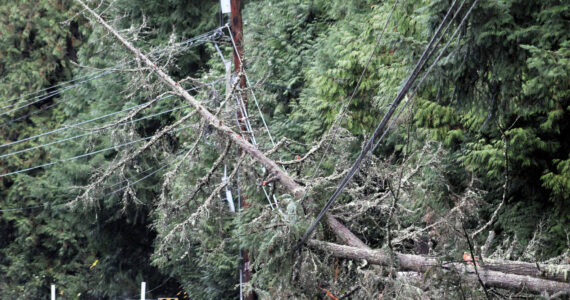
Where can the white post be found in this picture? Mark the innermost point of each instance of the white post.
(143, 290)
(226, 8)
(53, 292)
(229, 197)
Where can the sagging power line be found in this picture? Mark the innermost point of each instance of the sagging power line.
(181, 46)
(78, 124)
(128, 181)
(380, 131)
(96, 129)
(87, 154)
(332, 132)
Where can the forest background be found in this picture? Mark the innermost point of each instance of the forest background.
(482, 147)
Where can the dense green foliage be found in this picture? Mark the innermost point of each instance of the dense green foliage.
(506, 78)
(503, 94)
(488, 126)
(53, 244)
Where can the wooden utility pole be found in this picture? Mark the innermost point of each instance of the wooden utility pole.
(237, 33)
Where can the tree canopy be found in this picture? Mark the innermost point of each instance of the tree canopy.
(110, 176)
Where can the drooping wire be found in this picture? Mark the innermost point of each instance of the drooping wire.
(192, 42)
(86, 154)
(118, 124)
(185, 45)
(414, 91)
(35, 112)
(54, 93)
(107, 194)
(252, 93)
(129, 184)
(53, 87)
(67, 127)
(336, 124)
(248, 123)
(240, 105)
(91, 133)
(380, 129)
(244, 113)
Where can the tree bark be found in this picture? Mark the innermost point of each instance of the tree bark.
(269, 164)
(408, 262)
(545, 271)
(551, 272)
(412, 262)
(344, 234)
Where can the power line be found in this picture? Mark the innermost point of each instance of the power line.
(189, 43)
(85, 155)
(148, 175)
(53, 94)
(67, 127)
(185, 45)
(90, 133)
(107, 194)
(12, 121)
(51, 87)
(252, 93)
(243, 109)
(414, 91)
(58, 92)
(64, 128)
(380, 129)
(137, 181)
(336, 124)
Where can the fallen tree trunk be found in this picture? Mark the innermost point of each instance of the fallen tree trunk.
(285, 179)
(416, 263)
(551, 272)
(297, 191)
(344, 234)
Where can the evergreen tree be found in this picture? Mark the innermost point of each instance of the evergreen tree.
(481, 146)
(104, 251)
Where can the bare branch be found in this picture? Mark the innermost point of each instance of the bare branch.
(191, 221)
(100, 179)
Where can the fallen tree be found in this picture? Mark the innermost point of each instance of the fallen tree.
(551, 272)
(357, 248)
(421, 264)
(539, 270)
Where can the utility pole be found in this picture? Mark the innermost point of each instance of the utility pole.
(237, 32)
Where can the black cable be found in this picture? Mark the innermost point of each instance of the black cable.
(380, 128)
(340, 116)
(46, 205)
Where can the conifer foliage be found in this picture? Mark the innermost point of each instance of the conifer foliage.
(475, 164)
